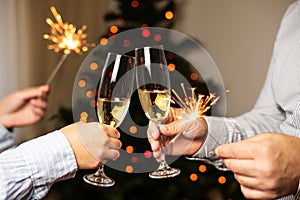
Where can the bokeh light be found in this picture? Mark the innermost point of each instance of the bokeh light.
(82, 83)
(157, 37)
(129, 149)
(93, 66)
(171, 67)
(146, 33)
(169, 15)
(113, 29)
(93, 103)
(148, 154)
(129, 169)
(134, 159)
(126, 43)
(133, 129)
(202, 168)
(194, 177)
(103, 41)
(194, 76)
(222, 180)
(134, 3)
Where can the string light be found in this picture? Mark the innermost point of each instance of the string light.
(113, 29)
(129, 149)
(82, 83)
(89, 94)
(171, 67)
(134, 3)
(222, 180)
(169, 15)
(194, 177)
(93, 66)
(147, 154)
(103, 41)
(129, 169)
(133, 129)
(194, 76)
(146, 33)
(202, 168)
(157, 37)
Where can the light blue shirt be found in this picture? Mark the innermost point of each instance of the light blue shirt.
(278, 106)
(29, 170)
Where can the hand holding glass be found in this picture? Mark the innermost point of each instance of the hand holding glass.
(154, 91)
(115, 90)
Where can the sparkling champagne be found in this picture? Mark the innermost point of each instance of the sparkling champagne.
(112, 111)
(155, 103)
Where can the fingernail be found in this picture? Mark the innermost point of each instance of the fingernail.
(163, 128)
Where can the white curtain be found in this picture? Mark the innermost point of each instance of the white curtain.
(9, 81)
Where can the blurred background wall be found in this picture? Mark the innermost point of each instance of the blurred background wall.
(238, 34)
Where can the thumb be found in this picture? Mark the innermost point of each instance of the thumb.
(172, 128)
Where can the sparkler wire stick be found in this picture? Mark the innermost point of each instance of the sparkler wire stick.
(56, 69)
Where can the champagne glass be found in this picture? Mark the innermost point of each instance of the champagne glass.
(154, 91)
(115, 90)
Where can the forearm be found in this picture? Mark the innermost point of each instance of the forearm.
(28, 171)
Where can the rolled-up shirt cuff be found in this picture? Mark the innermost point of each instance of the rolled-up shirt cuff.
(216, 136)
(50, 159)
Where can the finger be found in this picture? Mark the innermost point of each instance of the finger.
(32, 92)
(109, 131)
(115, 143)
(247, 181)
(250, 193)
(242, 167)
(237, 150)
(155, 144)
(39, 103)
(172, 128)
(112, 154)
(157, 155)
(153, 131)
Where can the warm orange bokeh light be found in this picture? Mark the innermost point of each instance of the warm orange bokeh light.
(171, 67)
(82, 83)
(89, 94)
(129, 149)
(134, 3)
(113, 29)
(129, 169)
(133, 129)
(93, 66)
(222, 180)
(202, 168)
(103, 41)
(194, 76)
(194, 177)
(169, 15)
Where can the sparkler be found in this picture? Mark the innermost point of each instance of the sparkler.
(194, 107)
(65, 38)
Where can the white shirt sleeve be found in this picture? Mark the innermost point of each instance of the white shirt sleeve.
(7, 138)
(29, 170)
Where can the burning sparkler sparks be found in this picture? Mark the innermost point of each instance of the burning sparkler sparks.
(194, 107)
(66, 38)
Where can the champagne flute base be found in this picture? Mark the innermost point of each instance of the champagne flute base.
(101, 181)
(164, 171)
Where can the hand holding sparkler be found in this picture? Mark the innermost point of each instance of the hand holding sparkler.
(185, 130)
